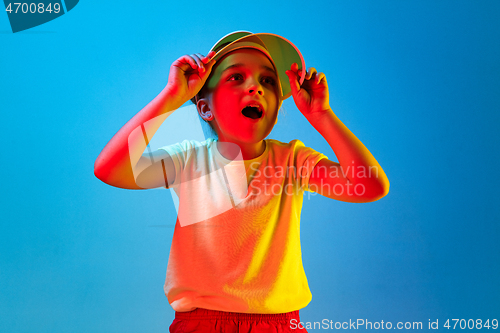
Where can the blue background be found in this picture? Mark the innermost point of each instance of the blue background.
(416, 81)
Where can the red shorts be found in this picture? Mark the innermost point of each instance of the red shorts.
(202, 320)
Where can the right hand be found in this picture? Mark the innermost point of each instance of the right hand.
(188, 74)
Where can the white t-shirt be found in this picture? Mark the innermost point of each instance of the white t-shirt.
(236, 243)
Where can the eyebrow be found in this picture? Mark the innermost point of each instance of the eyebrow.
(242, 65)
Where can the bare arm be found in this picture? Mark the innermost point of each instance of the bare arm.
(357, 177)
(122, 163)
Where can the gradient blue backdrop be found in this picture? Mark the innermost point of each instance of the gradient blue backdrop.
(416, 81)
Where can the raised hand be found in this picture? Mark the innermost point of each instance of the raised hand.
(188, 75)
(312, 96)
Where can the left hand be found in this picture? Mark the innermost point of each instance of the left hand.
(312, 96)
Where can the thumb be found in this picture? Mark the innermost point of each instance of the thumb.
(209, 65)
(208, 69)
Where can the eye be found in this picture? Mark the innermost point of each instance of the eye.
(235, 77)
(269, 80)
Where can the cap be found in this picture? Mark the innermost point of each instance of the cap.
(279, 50)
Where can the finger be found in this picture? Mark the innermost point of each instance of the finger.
(201, 57)
(293, 78)
(199, 63)
(209, 56)
(319, 77)
(204, 59)
(310, 72)
(209, 65)
(296, 69)
(187, 60)
(207, 62)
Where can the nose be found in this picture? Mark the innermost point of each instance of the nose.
(255, 87)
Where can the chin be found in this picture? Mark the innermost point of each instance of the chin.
(250, 138)
(249, 135)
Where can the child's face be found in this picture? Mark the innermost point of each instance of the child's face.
(243, 96)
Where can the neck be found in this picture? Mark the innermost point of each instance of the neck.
(249, 151)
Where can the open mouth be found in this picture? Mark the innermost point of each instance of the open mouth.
(252, 112)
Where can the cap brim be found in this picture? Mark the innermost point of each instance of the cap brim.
(283, 53)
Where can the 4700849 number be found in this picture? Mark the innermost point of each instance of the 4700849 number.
(24, 7)
(471, 324)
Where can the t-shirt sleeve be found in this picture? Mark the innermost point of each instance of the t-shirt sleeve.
(304, 161)
(180, 153)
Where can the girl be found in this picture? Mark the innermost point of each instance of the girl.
(235, 261)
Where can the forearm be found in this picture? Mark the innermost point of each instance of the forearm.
(356, 162)
(115, 164)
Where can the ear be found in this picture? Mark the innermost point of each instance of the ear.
(204, 109)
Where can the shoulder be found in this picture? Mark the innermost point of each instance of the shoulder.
(284, 145)
(188, 146)
(295, 153)
(293, 147)
(189, 153)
